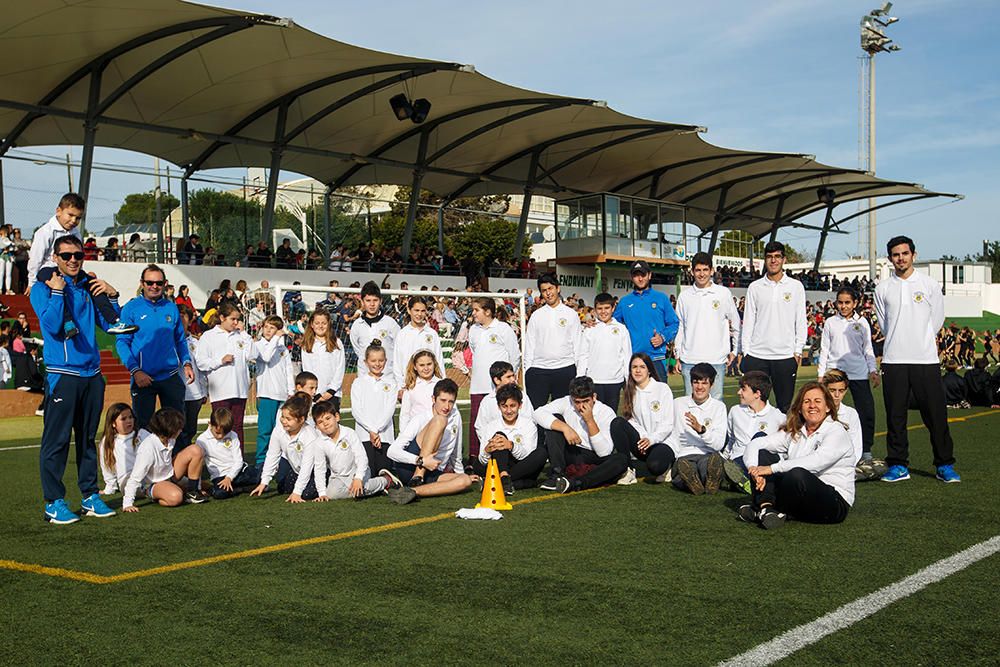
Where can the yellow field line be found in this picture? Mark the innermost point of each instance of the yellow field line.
(92, 578)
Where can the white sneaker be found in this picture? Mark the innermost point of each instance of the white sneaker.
(662, 478)
(627, 478)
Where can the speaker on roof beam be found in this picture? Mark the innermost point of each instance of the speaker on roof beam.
(401, 106)
(421, 108)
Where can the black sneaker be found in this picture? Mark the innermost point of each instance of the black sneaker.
(551, 484)
(195, 497)
(713, 476)
(415, 481)
(771, 519)
(402, 495)
(748, 513)
(507, 484)
(563, 485)
(688, 472)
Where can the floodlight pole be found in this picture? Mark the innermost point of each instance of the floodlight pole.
(874, 40)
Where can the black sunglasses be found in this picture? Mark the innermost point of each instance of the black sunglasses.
(66, 256)
(155, 283)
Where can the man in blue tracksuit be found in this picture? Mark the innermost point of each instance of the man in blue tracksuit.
(649, 318)
(74, 386)
(155, 354)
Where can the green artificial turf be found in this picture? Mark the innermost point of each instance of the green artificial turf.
(639, 574)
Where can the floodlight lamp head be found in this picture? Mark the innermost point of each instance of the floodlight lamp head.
(401, 106)
(826, 195)
(894, 47)
(421, 108)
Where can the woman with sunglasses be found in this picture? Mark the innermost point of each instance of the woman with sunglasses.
(156, 355)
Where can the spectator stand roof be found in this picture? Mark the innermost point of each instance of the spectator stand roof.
(206, 88)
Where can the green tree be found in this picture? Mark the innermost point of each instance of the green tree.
(490, 205)
(224, 221)
(736, 243)
(387, 232)
(139, 208)
(486, 239)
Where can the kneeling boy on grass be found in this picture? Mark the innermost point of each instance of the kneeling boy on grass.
(428, 453)
(699, 435)
(229, 473)
(339, 457)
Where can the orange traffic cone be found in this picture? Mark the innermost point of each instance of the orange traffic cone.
(493, 496)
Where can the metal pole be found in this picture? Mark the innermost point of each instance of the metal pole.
(272, 177)
(185, 221)
(246, 240)
(326, 227)
(522, 221)
(871, 164)
(2, 218)
(441, 229)
(822, 237)
(159, 212)
(411, 211)
(89, 139)
(69, 172)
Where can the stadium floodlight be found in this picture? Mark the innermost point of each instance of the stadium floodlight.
(826, 195)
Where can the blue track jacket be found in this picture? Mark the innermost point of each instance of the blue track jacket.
(644, 313)
(159, 348)
(78, 355)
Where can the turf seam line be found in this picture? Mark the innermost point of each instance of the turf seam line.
(847, 615)
(92, 578)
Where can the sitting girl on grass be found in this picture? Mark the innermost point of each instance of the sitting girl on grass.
(158, 474)
(118, 446)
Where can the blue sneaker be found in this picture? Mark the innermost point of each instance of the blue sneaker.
(94, 506)
(58, 512)
(948, 475)
(896, 474)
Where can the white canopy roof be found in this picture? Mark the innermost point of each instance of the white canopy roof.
(206, 88)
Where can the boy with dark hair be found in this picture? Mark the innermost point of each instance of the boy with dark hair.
(428, 452)
(955, 389)
(605, 350)
(512, 442)
(41, 265)
(551, 344)
(229, 473)
(373, 323)
(910, 309)
(578, 430)
(752, 418)
(977, 384)
(340, 458)
(699, 435)
(502, 374)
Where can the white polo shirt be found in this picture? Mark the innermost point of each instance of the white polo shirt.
(599, 443)
(910, 311)
(774, 318)
(847, 346)
(552, 338)
(709, 325)
(605, 349)
(744, 424)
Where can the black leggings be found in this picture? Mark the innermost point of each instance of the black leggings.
(523, 472)
(801, 494)
(561, 453)
(659, 457)
(782, 373)
(864, 403)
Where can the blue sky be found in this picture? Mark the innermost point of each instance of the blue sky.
(774, 75)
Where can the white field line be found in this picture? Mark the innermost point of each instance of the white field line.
(5, 449)
(802, 636)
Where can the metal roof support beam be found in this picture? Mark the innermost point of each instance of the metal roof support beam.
(411, 211)
(440, 226)
(810, 179)
(547, 173)
(488, 173)
(327, 250)
(522, 221)
(777, 218)
(719, 218)
(715, 172)
(887, 204)
(272, 176)
(812, 174)
(2, 216)
(654, 185)
(659, 171)
(410, 70)
(842, 195)
(546, 104)
(188, 133)
(89, 139)
(185, 211)
(822, 236)
(105, 58)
